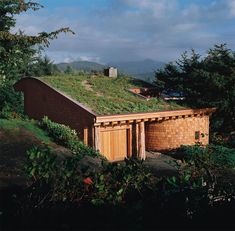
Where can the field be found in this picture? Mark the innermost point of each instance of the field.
(106, 95)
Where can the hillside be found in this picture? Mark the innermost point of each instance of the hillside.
(144, 69)
(106, 95)
(138, 67)
(16, 137)
(82, 65)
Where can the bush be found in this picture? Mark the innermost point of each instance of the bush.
(41, 164)
(63, 180)
(54, 178)
(126, 190)
(11, 102)
(63, 135)
(121, 183)
(214, 155)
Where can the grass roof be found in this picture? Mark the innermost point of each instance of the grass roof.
(106, 96)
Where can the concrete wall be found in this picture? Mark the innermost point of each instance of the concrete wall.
(111, 72)
(173, 133)
(41, 100)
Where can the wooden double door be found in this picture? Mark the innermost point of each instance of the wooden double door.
(115, 143)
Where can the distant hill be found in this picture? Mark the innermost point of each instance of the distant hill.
(82, 65)
(140, 69)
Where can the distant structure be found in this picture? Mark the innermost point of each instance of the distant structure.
(110, 72)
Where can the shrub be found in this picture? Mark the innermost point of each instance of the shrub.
(214, 155)
(54, 178)
(121, 183)
(41, 164)
(10, 100)
(63, 135)
(65, 181)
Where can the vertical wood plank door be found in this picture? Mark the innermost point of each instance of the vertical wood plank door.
(114, 144)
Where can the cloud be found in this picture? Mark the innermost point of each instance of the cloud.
(231, 4)
(124, 30)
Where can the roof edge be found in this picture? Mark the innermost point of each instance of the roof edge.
(18, 86)
(156, 114)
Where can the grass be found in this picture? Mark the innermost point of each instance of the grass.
(105, 95)
(29, 125)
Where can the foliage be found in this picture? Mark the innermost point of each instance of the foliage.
(63, 135)
(10, 100)
(47, 166)
(42, 66)
(120, 182)
(205, 82)
(216, 155)
(18, 51)
(206, 180)
(106, 95)
(65, 181)
(69, 70)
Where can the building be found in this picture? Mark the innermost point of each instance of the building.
(116, 136)
(111, 72)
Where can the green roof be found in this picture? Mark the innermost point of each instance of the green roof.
(106, 96)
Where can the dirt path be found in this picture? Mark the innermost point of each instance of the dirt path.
(87, 85)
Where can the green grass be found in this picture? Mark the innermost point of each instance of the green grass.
(106, 95)
(29, 125)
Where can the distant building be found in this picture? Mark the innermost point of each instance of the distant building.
(110, 72)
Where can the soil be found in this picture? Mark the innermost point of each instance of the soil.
(14, 144)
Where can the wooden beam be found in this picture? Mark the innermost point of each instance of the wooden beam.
(148, 115)
(97, 138)
(85, 135)
(141, 141)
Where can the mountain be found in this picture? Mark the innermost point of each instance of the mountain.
(82, 65)
(140, 69)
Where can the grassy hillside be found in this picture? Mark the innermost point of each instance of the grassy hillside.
(16, 137)
(17, 125)
(106, 95)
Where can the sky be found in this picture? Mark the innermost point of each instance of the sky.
(132, 30)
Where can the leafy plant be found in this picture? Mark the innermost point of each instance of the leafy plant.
(120, 182)
(63, 135)
(41, 164)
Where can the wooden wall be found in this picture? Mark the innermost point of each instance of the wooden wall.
(41, 100)
(173, 133)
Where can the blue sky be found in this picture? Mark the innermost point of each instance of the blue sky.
(130, 30)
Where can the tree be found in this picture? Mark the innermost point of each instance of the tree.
(18, 51)
(69, 70)
(205, 82)
(43, 66)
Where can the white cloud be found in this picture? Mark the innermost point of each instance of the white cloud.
(231, 5)
(136, 29)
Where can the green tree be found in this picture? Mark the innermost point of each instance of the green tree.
(43, 66)
(69, 70)
(18, 51)
(205, 82)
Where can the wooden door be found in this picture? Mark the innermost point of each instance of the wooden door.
(114, 144)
